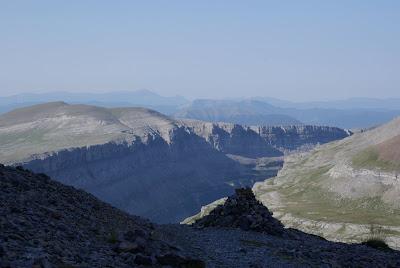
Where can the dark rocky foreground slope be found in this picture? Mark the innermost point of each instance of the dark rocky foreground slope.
(143, 162)
(45, 224)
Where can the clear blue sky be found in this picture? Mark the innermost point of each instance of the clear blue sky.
(296, 50)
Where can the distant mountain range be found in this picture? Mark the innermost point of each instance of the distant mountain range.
(259, 112)
(346, 104)
(352, 113)
(142, 98)
(248, 112)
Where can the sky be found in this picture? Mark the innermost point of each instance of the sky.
(294, 50)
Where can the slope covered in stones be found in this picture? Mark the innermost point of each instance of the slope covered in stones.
(346, 190)
(46, 224)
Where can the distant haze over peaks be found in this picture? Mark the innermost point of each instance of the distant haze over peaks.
(347, 113)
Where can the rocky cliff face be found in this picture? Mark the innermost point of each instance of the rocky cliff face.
(136, 159)
(289, 138)
(233, 139)
(161, 181)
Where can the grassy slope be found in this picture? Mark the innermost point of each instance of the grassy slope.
(370, 159)
(302, 191)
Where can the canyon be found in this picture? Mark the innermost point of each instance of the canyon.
(144, 162)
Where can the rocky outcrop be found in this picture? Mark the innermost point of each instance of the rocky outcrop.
(233, 139)
(46, 224)
(243, 211)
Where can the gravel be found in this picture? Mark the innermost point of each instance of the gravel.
(227, 247)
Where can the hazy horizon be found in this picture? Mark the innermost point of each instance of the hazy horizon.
(290, 50)
(194, 98)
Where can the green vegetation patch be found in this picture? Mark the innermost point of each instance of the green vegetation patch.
(32, 136)
(369, 158)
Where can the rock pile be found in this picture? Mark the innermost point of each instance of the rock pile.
(46, 224)
(243, 211)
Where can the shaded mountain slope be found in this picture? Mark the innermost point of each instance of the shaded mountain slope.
(47, 224)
